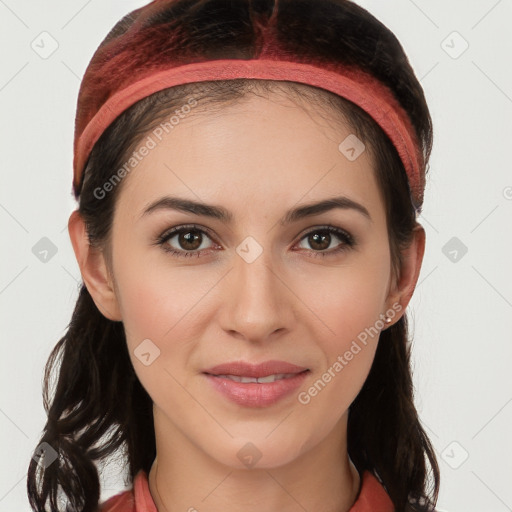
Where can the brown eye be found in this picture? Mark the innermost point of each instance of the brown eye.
(189, 239)
(321, 239)
(185, 241)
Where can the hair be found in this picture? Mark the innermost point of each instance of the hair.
(99, 407)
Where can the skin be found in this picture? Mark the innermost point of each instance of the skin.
(258, 159)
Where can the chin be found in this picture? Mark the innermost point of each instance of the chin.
(260, 451)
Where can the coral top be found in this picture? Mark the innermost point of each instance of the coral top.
(372, 497)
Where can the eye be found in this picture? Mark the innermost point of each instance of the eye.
(189, 241)
(320, 239)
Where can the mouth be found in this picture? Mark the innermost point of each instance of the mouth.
(259, 385)
(259, 380)
(273, 370)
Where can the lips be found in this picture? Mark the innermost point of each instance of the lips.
(280, 369)
(256, 385)
(259, 380)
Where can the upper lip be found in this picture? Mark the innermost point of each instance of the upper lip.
(264, 369)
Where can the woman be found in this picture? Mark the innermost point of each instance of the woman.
(248, 176)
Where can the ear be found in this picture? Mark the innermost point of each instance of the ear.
(93, 268)
(404, 285)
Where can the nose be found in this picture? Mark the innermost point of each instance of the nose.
(258, 302)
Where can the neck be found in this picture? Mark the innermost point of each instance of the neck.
(323, 479)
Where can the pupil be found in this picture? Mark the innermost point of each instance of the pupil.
(188, 239)
(318, 239)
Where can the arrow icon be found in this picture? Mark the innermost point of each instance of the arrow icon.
(454, 45)
(454, 455)
(44, 455)
(249, 455)
(351, 147)
(249, 249)
(454, 249)
(146, 352)
(44, 250)
(44, 44)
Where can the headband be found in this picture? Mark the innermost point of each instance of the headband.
(352, 84)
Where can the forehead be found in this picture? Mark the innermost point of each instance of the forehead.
(261, 148)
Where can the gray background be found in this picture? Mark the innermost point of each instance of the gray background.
(461, 309)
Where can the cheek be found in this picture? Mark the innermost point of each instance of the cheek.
(347, 299)
(156, 296)
(161, 308)
(348, 350)
(167, 305)
(348, 307)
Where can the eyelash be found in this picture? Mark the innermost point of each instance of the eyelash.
(347, 239)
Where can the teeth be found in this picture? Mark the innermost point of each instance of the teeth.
(261, 380)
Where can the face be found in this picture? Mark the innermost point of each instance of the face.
(257, 285)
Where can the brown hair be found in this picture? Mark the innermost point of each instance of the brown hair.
(99, 406)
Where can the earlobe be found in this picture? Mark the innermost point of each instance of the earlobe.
(93, 268)
(412, 258)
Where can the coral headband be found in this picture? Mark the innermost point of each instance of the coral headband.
(354, 85)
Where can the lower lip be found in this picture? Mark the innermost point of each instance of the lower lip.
(253, 394)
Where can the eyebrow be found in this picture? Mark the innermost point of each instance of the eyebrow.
(220, 213)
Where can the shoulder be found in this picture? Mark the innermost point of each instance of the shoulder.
(121, 502)
(136, 499)
(416, 508)
(372, 496)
